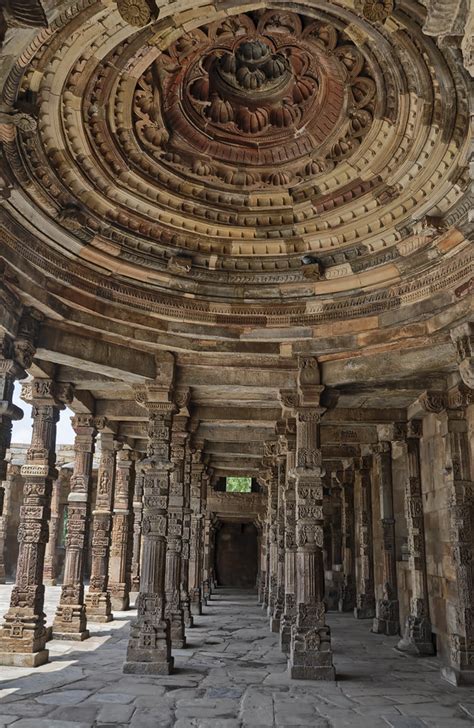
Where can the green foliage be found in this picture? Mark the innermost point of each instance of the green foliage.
(238, 485)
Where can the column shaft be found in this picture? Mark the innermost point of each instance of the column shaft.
(365, 596)
(195, 556)
(137, 528)
(98, 603)
(70, 621)
(122, 533)
(23, 636)
(289, 499)
(348, 592)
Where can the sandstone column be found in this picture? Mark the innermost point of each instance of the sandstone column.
(206, 558)
(137, 527)
(23, 636)
(289, 500)
(121, 542)
(50, 565)
(387, 608)
(348, 592)
(458, 475)
(98, 604)
(263, 557)
(272, 515)
(365, 596)
(174, 611)
(149, 647)
(310, 653)
(186, 547)
(417, 636)
(70, 621)
(195, 556)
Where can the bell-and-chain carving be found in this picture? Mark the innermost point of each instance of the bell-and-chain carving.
(24, 628)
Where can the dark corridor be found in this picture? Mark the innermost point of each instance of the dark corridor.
(236, 555)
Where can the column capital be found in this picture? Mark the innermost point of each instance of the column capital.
(430, 401)
(463, 339)
(47, 392)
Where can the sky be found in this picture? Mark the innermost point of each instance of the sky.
(21, 433)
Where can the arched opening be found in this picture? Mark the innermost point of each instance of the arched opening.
(236, 555)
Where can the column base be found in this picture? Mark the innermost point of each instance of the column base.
(75, 636)
(274, 624)
(50, 582)
(417, 637)
(285, 637)
(98, 607)
(457, 677)
(385, 626)
(149, 668)
(311, 672)
(24, 659)
(120, 603)
(196, 608)
(364, 612)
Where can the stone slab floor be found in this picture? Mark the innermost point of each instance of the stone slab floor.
(232, 675)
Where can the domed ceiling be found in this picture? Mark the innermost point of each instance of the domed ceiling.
(239, 164)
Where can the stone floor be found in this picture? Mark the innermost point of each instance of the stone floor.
(232, 675)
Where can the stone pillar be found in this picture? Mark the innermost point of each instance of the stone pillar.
(458, 473)
(23, 636)
(279, 546)
(13, 472)
(195, 555)
(16, 355)
(186, 546)
(347, 601)
(98, 605)
(149, 647)
(137, 527)
(289, 499)
(206, 559)
(174, 611)
(272, 515)
(365, 596)
(387, 619)
(70, 621)
(263, 557)
(121, 543)
(417, 635)
(310, 652)
(50, 557)
(10, 370)
(334, 576)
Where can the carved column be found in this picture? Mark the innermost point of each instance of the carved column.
(461, 511)
(387, 620)
(365, 596)
(50, 557)
(121, 544)
(137, 527)
(272, 515)
(174, 611)
(16, 355)
(195, 556)
(417, 636)
(186, 547)
(70, 621)
(149, 647)
(289, 500)
(206, 558)
(23, 636)
(98, 603)
(310, 653)
(263, 556)
(347, 601)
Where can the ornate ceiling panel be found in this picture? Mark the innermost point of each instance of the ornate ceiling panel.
(239, 164)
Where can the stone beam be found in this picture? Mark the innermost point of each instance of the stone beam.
(249, 378)
(84, 352)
